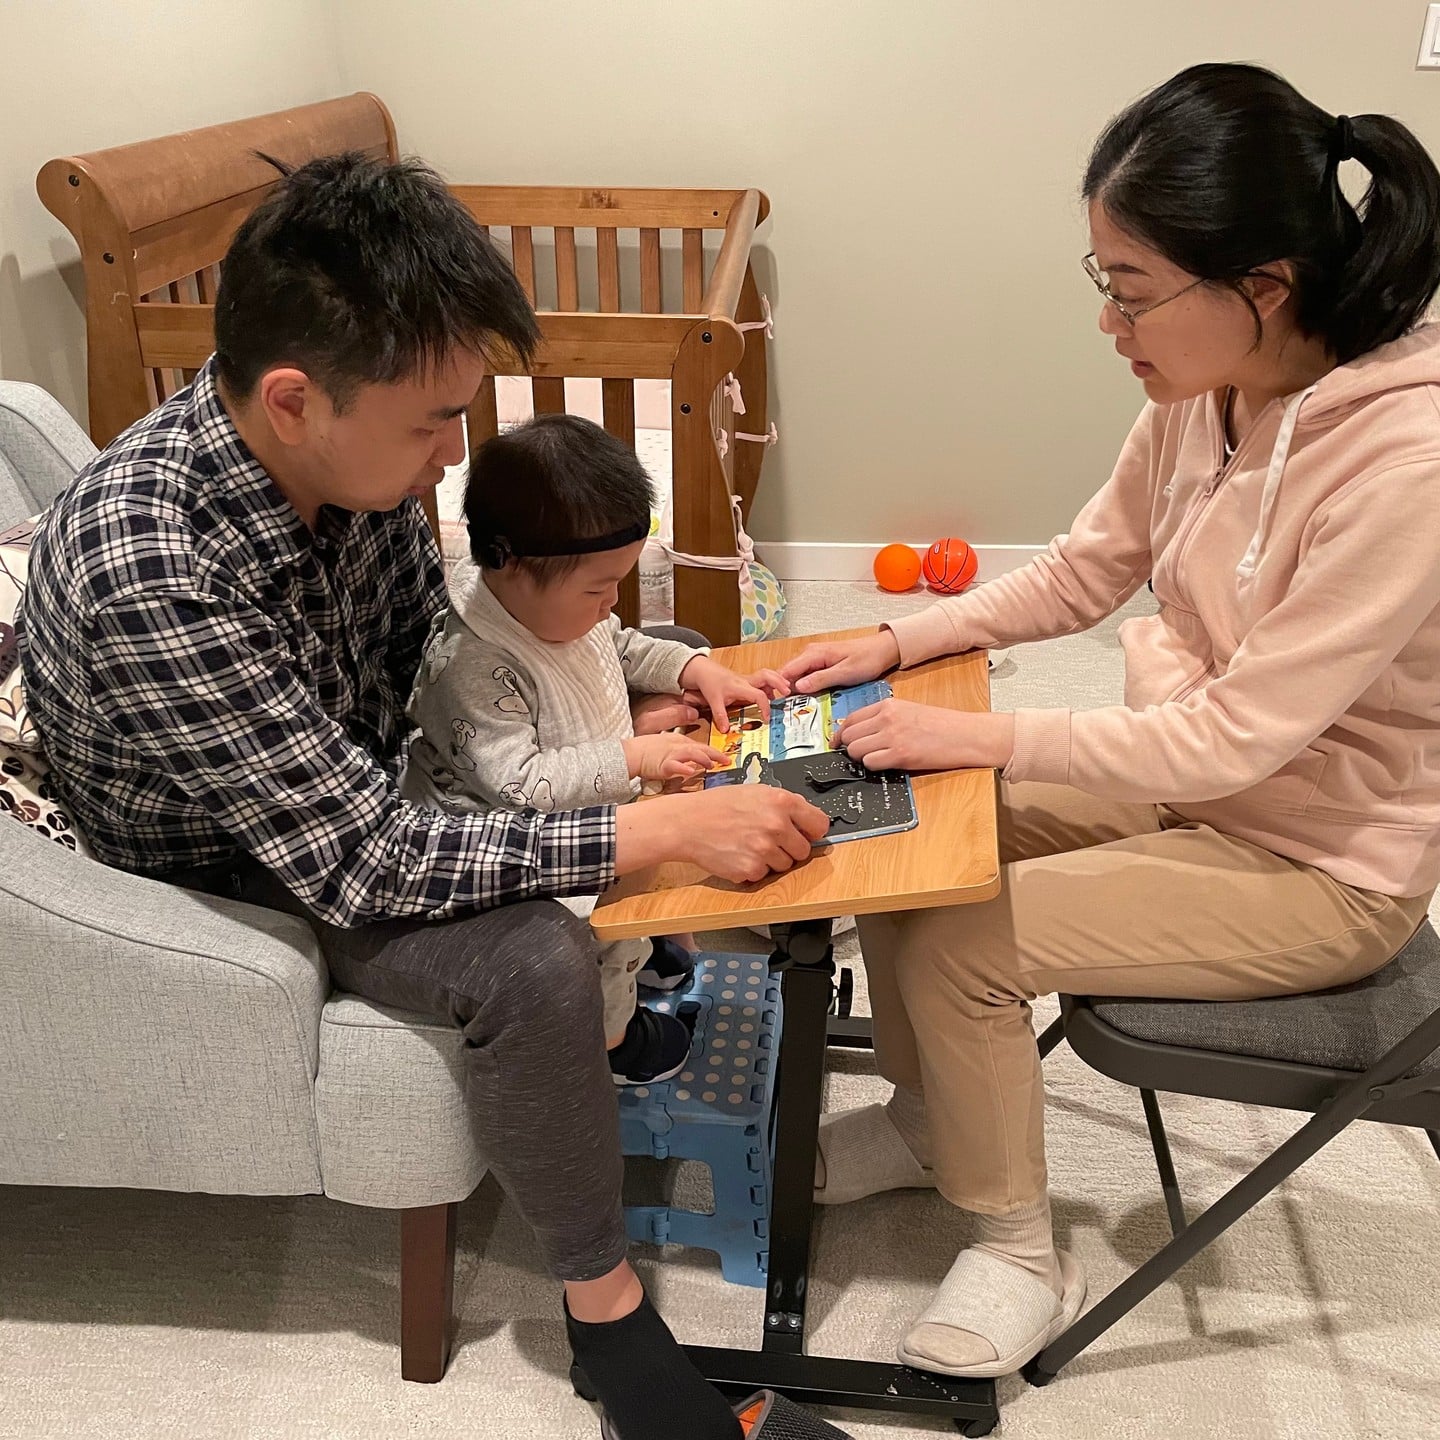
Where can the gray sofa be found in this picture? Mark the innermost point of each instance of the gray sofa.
(154, 1038)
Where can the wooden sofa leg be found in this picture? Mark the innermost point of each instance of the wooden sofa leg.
(427, 1286)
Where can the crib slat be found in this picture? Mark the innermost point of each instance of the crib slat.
(186, 291)
(522, 250)
(617, 397)
(618, 401)
(168, 381)
(650, 295)
(482, 419)
(207, 283)
(155, 376)
(607, 259)
(693, 252)
(549, 396)
(567, 269)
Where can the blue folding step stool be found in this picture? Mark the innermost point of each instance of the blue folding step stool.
(717, 1111)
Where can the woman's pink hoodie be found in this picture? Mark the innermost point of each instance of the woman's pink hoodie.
(1288, 690)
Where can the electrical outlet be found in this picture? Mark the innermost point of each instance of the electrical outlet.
(1430, 41)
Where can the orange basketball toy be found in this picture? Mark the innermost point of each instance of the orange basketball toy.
(949, 566)
(897, 567)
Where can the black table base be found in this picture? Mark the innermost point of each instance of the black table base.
(804, 954)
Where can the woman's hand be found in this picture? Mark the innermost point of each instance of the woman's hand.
(723, 689)
(668, 757)
(842, 662)
(903, 735)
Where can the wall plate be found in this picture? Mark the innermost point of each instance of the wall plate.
(1429, 58)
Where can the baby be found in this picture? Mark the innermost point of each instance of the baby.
(523, 696)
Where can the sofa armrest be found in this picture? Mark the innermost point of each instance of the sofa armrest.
(151, 1037)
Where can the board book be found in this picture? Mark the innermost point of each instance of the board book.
(795, 751)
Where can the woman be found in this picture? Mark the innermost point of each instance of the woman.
(1262, 815)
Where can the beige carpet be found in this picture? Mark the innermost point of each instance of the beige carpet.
(153, 1315)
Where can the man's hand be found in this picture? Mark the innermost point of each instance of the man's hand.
(903, 735)
(723, 689)
(652, 714)
(668, 757)
(736, 832)
(842, 662)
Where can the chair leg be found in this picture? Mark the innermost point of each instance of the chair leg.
(1434, 1141)
(1160, 1143)
(427, 1287)
(1053, 1034)
(1246, 1193)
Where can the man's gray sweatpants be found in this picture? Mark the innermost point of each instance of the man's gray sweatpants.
(523, 984)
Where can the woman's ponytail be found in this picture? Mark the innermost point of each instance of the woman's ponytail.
(1386, 282)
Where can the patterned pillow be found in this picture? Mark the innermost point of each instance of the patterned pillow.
(27, 793)
(26, 790)
(15, 727)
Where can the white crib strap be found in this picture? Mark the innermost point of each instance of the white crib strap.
(734, 394)
(770, 437)
(767, 324)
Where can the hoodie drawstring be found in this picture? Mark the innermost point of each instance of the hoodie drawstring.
(1245, 571)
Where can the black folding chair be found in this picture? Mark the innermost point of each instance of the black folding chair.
(1361, 1052)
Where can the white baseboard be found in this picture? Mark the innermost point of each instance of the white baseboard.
(850, 560)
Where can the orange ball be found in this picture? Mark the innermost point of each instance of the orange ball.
(949, 566)
(897, 567)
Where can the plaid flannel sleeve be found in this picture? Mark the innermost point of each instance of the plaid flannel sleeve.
(208, 695)
(417, 592)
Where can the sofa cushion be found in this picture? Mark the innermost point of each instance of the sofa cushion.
(391, 1109)
(27, 793)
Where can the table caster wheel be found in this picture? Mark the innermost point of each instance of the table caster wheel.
(1035, 1376)
(975, 1427)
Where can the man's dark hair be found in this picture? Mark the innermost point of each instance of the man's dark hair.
(362, 272)
(1227, 168)
(556, 480)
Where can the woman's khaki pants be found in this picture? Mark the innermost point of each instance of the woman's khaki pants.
(1097, 898)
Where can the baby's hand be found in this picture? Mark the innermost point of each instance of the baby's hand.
(724, 690)
(668, 757)
(772, 682)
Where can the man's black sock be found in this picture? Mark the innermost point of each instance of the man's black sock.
(648, 1386)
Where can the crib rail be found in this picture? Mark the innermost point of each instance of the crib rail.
(153, 219)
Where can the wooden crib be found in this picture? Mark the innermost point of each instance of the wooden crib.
(153, 219)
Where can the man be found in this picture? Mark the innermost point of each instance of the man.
(225, 615)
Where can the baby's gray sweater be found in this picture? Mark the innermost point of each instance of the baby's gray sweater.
(508, 720)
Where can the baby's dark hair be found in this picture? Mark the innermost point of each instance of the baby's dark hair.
(554, 481)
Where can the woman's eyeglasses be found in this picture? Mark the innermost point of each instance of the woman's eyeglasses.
(1130, 315)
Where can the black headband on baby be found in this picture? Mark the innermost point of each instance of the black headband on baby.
(498, 549)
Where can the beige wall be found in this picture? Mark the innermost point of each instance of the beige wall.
(937, 367)
(83, 74)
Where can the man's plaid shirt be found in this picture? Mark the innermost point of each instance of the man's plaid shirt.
(208, 676)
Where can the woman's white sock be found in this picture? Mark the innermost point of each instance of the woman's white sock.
(877, 1147)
